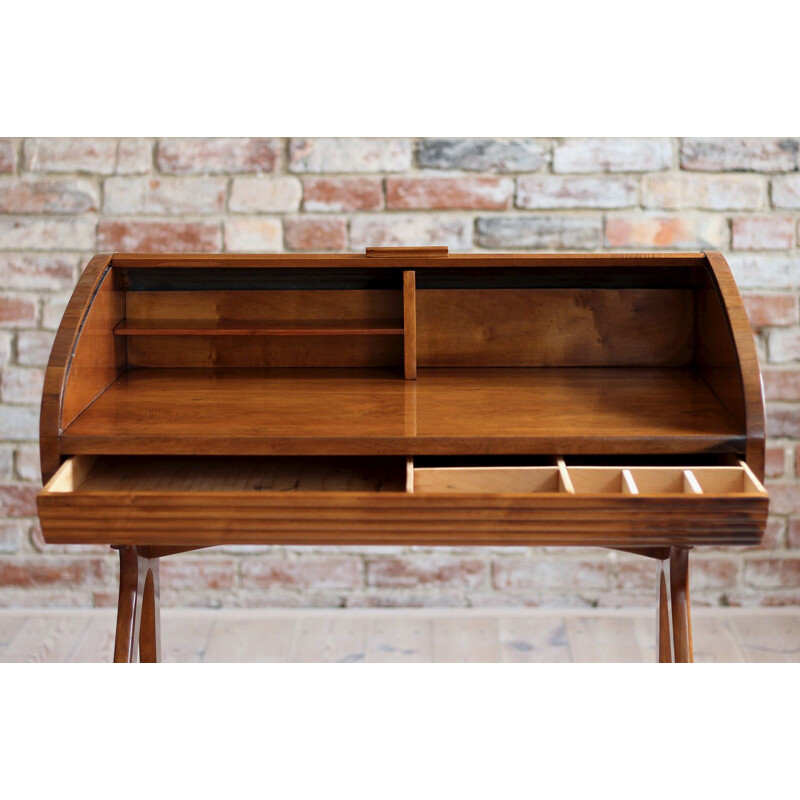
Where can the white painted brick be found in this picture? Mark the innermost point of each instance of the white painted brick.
(37, 233)
(256, 235)
(349, 155)
(613, 155)
(151, 195)
(265, 195)
(392, 230)
(556, 191)
(675, 191)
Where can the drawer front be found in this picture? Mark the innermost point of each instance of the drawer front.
(205, 501)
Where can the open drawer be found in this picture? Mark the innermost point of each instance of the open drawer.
(197, 501)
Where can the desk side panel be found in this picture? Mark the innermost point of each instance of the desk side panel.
(85, 357)
(726, 357)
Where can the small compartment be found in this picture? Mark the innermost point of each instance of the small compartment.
(598, 480)
(487, 479)
(662, 480)
(727, 480)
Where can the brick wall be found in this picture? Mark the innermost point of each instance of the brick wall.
(63, 199)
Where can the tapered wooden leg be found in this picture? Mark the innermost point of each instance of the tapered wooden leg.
(679, 597)
(150, 633)
(663, 615)
(138, 625)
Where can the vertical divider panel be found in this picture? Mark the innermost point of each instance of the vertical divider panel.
(628, 483)
(564, 480)
(690, 483)
(410, 474)
(410, 324)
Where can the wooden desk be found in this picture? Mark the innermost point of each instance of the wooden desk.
(405, 396)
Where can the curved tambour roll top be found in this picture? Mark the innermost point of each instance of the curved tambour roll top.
(405, 352)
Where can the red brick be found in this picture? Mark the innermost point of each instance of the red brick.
(17, 312)
(342, 194)
(784, 421)
(8, 155)
(216, 156)
(80, 154)
(773, 573)
(315, 234)
(196, 573)
(33, 271)
(449, 193)
(665, 232)
(762, 233)
(40, 571)
(159, 237)
(48, 197)
(774, 462)
(781, 384)
(416, 571)
(21, 385)
(771, 309)
(305, 572)
(551, 572)
(18, 499)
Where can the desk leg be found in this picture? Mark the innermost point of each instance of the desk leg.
(138, 625)
(681, 610)
(673, 618)
(663, 615)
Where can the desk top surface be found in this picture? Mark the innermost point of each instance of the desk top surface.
(376, 412)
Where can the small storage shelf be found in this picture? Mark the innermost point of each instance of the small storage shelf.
(317, 327)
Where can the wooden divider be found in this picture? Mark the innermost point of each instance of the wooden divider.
(410, 324)
(565, 479)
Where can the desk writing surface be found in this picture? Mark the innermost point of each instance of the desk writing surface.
(376, 412)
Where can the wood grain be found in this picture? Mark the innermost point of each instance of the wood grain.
(354, 412)
(52, 421)
(409, 325)
(744, 398)
(554, 327)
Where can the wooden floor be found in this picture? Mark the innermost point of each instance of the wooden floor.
(398, 635)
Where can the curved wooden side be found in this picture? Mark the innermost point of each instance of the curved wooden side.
(84, 360)
(749, 406)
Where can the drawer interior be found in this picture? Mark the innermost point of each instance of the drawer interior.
(563, 478)
(228, 474)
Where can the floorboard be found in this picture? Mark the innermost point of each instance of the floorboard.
(402, 635)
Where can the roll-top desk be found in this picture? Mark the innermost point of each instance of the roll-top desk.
(408, 397)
